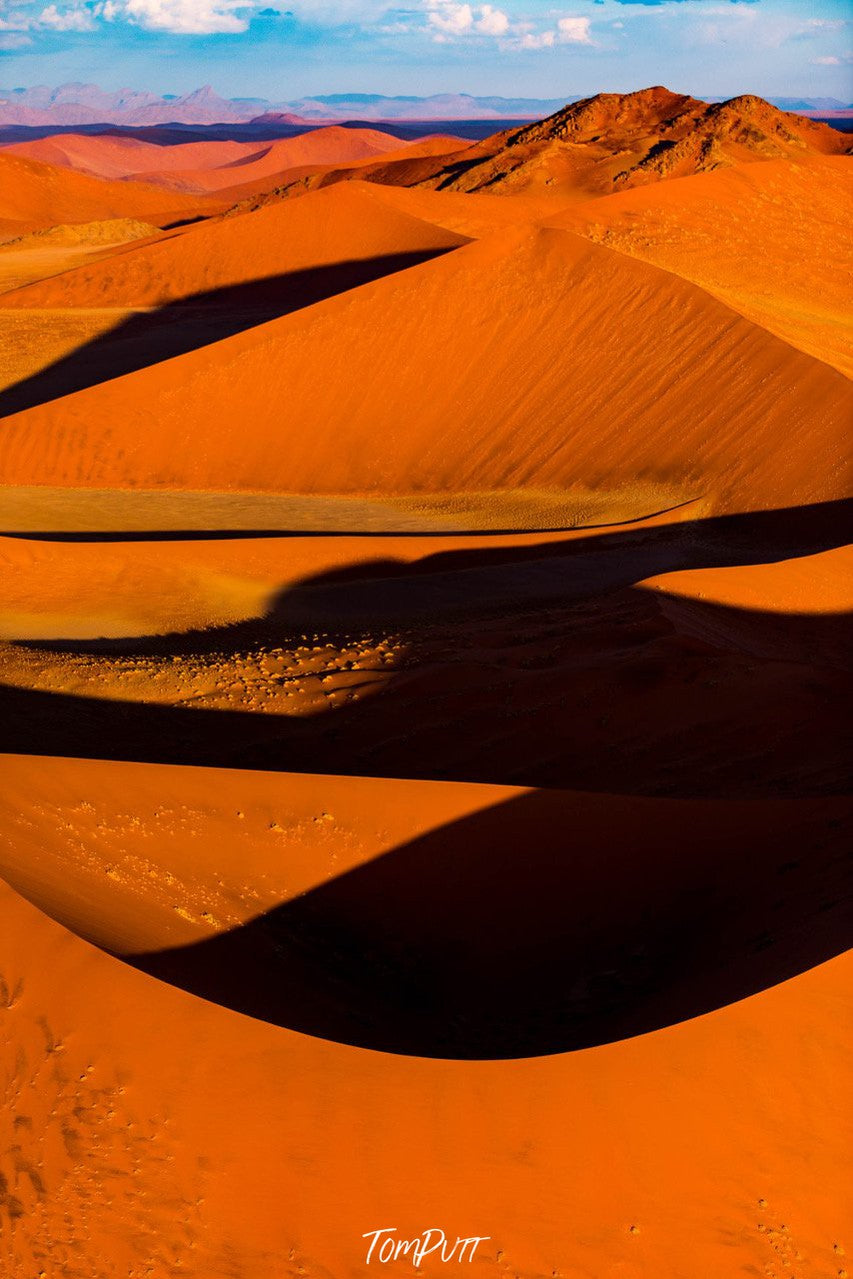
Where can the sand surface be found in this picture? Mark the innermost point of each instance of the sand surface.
(423, 656)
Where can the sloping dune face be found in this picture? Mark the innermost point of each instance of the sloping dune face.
(757, 236)
(332, 145)
(110, 156)
(333, 227)
(34, 195)
(702, 1135)
(198, 1133)
(610, 370)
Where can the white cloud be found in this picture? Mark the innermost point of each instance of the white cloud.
(13, 40)
(449, 18)
(573, 31)
(843, 59)
(54, 19)
(492, 22)
(183, 17)
(732, 24)
(537, 40)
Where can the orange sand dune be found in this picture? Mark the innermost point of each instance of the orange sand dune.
(820, 583)
(472, 215)
(720, 1142)
(115, 156)
(757, 236)
(307, 177)
(610, 370)
(331, 145)
(337, 226)
(124, 588)
(34, 195)
(661, 644)
(40, 254)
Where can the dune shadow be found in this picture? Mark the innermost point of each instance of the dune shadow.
(545, 924)
(483, 580)
(543, 665)
(176, 328)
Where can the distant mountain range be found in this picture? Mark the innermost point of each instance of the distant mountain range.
(73, 104)
(82, 104)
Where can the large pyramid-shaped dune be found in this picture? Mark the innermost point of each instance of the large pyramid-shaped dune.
(529, 358)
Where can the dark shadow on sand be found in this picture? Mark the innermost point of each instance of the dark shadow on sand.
(177, 328)
(622, 690)
(542, 925)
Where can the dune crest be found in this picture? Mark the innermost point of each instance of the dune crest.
(567, 395)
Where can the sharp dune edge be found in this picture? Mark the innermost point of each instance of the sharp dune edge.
(423, 652)
(565, 396)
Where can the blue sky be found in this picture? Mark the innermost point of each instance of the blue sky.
(535, 48)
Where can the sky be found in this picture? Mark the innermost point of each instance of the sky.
(514, 48)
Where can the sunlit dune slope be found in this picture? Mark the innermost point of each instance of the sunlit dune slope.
(401, 167)
(327, 228)
(34, 195)
(331, 145)
(720, 1140)
(117, 156)
(39, 254)
(472, 215)
(757, 236)
(529, 358)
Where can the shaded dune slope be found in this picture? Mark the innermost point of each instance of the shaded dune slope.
(535, 931)
(150, 1133)
(359, 663)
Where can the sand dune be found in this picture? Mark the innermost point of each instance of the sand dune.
(756, 236)
(339, 226)
(137, 1139)
(204, 166)
(423, 657)
(347, 654)
(403, 166)
(433, 388)
(85, 586)
(117, 156)
(331, 145)
(36, 195)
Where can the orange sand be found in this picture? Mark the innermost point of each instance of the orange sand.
(35, 195)
(361, 866)
(336, 226)
(431, 390)
(247, 1149)
(753, 236)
